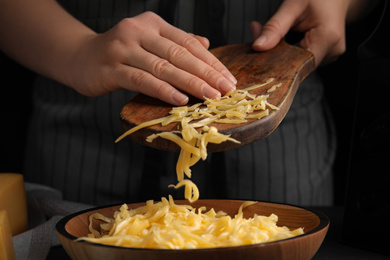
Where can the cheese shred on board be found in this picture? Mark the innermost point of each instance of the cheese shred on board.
(166, 225)
(236, 107)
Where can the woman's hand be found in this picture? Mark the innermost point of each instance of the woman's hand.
(145, 54)
(322, 22)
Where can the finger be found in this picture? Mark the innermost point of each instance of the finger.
(278, 25)
(183, 59)
(324, 51)
(203, 40)
(143, 82)
(195, 48)
(178, 78)
(255, 28)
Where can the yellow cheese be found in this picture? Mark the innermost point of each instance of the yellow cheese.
(7, 250)
(13, 200)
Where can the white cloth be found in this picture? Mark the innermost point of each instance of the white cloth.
(45, 208)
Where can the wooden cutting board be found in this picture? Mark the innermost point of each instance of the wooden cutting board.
(288, 64)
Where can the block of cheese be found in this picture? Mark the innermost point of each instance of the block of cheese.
(13, 200)
(7, 250)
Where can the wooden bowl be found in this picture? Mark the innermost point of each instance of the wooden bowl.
(315, 226)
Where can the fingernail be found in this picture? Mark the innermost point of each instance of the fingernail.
(179, 98)
(229, 76)
(261, 40)
(225, 86)
(210, 92)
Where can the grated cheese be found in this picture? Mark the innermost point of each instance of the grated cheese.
(236, 107)
(166, 225)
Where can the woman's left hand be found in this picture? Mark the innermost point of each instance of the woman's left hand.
(322, 22)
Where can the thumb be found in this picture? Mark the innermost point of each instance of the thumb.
(279, 24)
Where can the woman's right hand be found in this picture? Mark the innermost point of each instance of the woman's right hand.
(143, 53)
(147, 55)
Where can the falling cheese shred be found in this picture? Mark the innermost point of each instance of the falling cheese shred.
(236, 107)
(166, 225)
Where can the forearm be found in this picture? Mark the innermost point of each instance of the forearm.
(41, 35)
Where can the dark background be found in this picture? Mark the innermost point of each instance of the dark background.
(340, 80)
(15, 111)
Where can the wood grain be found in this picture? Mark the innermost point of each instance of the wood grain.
(288, 64)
